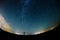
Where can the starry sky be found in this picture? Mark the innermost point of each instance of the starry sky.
(30, 15)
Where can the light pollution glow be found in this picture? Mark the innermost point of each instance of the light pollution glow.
(4, 25)
(42, 31)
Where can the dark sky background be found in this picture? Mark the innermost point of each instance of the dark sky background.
(31, 15)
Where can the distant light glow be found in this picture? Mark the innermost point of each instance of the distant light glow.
(4, 25)
(45, 30)
(17, 33)
(39, 32)
(52, 28)
(0, 25)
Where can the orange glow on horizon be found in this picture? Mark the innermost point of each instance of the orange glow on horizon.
(4, 24)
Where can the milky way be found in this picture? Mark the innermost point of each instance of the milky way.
(31, 15)
(25, 6)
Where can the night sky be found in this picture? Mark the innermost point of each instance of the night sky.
(30, 15)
